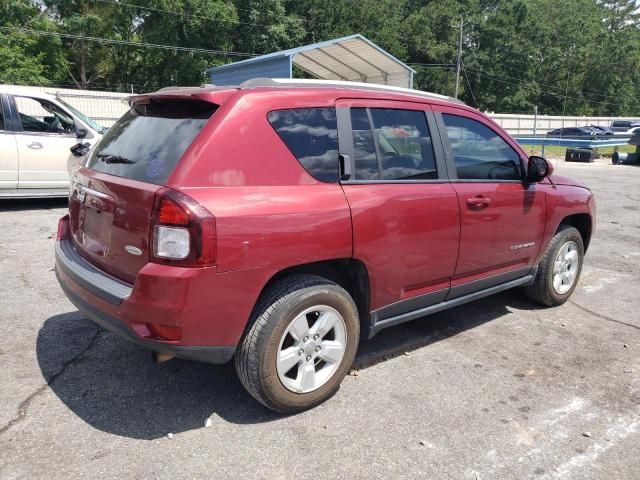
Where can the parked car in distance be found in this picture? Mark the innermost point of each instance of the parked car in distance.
(281, 222)
(631, 131)
(623, 126)
(601, 130)
(572, 132)
(37, 131)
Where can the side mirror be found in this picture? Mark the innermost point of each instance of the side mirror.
(539, 169)
(80, 149)
(81, 132)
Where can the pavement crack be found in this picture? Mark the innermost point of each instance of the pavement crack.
(26, 403)
(603, 317)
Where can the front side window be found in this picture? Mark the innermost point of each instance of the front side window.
(311, 134)
(480, 153)
(40, 116)
(392, 144)
(89, 121)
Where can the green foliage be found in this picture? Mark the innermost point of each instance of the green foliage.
(24, 58)
(574, 56)
(265, 26)
(16, 65)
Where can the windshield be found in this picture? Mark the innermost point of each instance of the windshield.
(89, 121)
(149, 140)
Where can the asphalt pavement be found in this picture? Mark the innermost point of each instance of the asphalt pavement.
(496, 389)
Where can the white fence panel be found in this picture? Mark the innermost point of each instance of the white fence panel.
(524, 124)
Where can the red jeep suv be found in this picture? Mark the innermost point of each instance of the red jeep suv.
(282, 221)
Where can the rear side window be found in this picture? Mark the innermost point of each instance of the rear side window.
(392, 144)
(480, 153)
(146, 143)
(311, 134)
(364, 148)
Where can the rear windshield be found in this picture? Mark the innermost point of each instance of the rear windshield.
(146, 143)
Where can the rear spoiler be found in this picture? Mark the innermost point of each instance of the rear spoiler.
(217, 95)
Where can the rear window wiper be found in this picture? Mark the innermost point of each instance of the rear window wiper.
(111, 158)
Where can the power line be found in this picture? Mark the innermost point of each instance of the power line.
(434, 65)
(464, 70)
(581, 92)
(125, 42)
(554, 94)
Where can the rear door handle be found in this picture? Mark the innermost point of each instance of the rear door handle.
(479, 201)
(35, 145)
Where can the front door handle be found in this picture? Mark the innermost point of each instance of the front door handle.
(479, 201)
(35, 145)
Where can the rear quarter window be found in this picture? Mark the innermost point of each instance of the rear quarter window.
(311, 134)
(147, 142)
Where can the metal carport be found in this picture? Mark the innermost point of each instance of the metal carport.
(352, 58)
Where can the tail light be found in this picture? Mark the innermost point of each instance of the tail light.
(183, 232)
(64, 231)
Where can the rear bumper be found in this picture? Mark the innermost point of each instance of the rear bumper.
(162, 296)
(199, 353)
(89, 277)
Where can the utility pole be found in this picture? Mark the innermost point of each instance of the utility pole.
(459, 61)
(535, 125)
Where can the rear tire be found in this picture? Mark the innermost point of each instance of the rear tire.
(559, 270)
(289, 359)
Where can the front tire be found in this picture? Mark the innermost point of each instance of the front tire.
(300, 344)
(559, 270)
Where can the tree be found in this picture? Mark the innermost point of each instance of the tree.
(28, 59)
(86, 62)
(264, 26)
(620, 13)
(193, 23)
(575, 56)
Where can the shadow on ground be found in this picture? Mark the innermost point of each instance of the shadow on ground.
(115, 387)
(23, 204)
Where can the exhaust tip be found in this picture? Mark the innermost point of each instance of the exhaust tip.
(161, 357)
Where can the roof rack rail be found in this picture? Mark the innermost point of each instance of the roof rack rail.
(299, 82)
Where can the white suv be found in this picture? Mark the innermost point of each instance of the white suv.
(37, 131)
